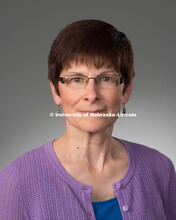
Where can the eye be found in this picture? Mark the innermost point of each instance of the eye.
(105, 78)
(76, 79)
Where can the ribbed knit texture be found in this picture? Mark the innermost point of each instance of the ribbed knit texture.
(37, 187)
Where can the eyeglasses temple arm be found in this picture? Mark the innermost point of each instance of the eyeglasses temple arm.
(61, 79)
(121, 80)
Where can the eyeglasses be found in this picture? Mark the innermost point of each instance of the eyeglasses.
(81, 81)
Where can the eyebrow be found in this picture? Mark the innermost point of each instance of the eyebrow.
(81, 74)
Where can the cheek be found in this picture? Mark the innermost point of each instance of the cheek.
(114, 101)
(68, 98)
(113, 98)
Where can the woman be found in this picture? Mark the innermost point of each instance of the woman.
(87, 173)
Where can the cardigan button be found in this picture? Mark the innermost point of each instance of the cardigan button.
(125, 208)
(118, 186)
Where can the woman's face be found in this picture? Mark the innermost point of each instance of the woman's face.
(90, 99)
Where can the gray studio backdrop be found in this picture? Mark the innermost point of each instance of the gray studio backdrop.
(27, 30)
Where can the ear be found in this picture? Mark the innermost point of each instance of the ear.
(127, 93)
(56, 97)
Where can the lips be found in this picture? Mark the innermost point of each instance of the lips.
(92, 111)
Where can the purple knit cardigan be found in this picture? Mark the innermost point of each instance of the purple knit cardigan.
(37, 187)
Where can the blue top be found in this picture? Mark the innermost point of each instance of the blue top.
(107, 210)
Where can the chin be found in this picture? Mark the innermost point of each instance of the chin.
(96, 125)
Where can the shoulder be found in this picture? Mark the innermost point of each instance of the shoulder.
(8, 176)
(156, 172)
(23, 173)
(20, 180)
(26, 163)
(147, 154)
(11, 206)
(151, 161)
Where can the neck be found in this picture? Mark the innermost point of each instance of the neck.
(94, 150)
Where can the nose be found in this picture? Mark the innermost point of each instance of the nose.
(91, 91)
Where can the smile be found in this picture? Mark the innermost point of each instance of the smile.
(97, 111)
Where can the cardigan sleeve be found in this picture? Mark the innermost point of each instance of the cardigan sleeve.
(170, 206)
(10, 199)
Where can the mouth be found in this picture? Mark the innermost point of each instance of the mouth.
(93, 112)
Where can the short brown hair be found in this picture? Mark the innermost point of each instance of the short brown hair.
(91, 42)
